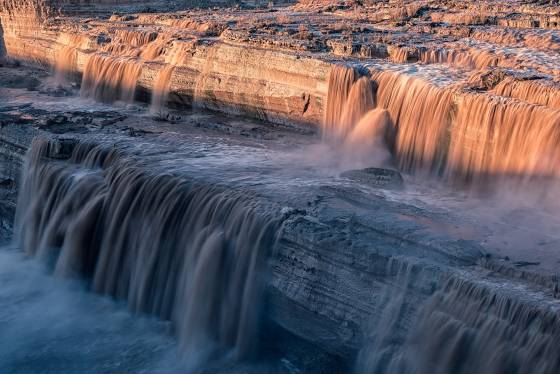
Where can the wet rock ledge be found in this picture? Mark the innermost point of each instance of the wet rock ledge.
(335, 273)
(350, 276)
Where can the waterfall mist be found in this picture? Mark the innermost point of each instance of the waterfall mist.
(48, 325)
(463, 327)
(474, 141)
(356, 131)
(184, 252)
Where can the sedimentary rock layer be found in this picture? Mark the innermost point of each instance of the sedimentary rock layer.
(266, 84)
(445, 89)
(329, 281)
(430, 80)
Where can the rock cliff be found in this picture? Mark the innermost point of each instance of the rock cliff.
(468, 93)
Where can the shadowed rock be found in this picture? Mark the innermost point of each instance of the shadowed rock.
(376, 177)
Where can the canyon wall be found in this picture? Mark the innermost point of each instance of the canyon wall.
(370, 293)
(266, 84)
(185, 59)
(349, 283)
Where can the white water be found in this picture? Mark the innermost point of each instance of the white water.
(48, 325)
(288, 175)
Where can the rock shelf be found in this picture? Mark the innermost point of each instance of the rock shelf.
(465, 95)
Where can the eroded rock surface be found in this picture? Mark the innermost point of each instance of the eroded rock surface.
(273, 64)
(413, 279)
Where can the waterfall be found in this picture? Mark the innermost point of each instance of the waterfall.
(385, 335)
(539, 92)
(369, 138)
(183, 251)
(470, 58)
(462, 328)
(66, 64)
(110, 79)
(353, 123)
(340, 81)
(360, 100)
(468, 328)
(135, 38)
(176, 56)
(65, 67)
(496, 137)
(112, 74)
(421, 114)
(465, 137)
(160, 92)
(147, 45)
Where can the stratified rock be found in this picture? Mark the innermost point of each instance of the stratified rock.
(376, 177)
(469, 92)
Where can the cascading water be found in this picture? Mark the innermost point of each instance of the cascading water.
(184, 252)
(421, 114)
(462, 328)
(66, 64)
(135, 38)
(533, 91)
(385, 335)
(176, 56)
(466, 138)
(160, 92)
(493, 138)
(340, 81)
(147, 45)
(471, 58)
(112, 74)
(370, 135)
(360, 101)
(65, 68)
(110, 79)
(352, 122)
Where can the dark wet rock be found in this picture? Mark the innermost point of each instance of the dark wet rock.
(108, 119)
(376, 177)
(166, 117)
(29, 83)
(7, 119)
(8, 193)
(58, 91)
(130, 131)
(61, 124)
(6, 183)
(520, 264)
(57, 120)
(7, 213)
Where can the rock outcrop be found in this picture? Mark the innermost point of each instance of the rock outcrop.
(467, 93)
(435, 70)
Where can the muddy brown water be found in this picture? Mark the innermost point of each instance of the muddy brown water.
(101, 219)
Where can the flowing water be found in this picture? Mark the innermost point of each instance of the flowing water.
(173, 232)
(110, 79)
(353, 126)
(53, 326)
(464, 137)
(160, 92)
(184, 252)
(533, 91)
(451, 335)
(65, 67)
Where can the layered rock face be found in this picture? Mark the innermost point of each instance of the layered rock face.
(351, 282)
(263, 83)
(435, 58)
(468, 93)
